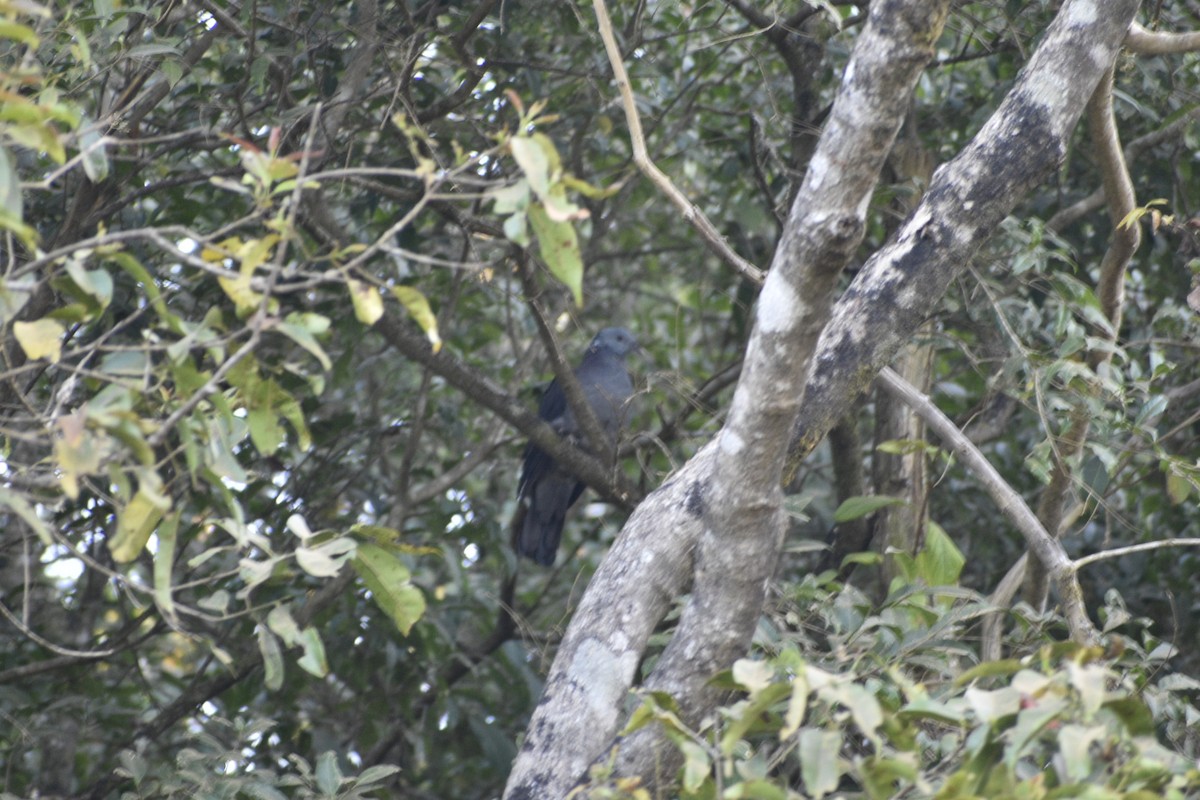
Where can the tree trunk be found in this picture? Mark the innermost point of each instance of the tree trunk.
(716, 520)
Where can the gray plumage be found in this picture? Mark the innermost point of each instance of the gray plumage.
(545, 492)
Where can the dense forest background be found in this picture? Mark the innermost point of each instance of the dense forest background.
(283, 282)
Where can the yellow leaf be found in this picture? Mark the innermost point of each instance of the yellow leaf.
(135, 522)
(418, 307)
(368, 303)
(40, 339)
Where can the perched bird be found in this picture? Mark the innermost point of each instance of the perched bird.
(545, 492)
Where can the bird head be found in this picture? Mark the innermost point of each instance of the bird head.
(617, 341)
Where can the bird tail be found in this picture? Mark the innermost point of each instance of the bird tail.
(536, 535)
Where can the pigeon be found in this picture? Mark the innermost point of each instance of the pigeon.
(545, 492)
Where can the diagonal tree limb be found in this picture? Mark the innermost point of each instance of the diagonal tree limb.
(742, 519)
(1045, 546)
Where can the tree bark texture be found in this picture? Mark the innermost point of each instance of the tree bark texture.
(687, 530)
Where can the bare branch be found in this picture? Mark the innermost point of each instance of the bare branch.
(1152, 43)
(1118, 552)
(694, 216)
(1047, 548)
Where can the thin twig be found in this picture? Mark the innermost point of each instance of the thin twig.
(49, 645)
(691, 213)
(1117, 552)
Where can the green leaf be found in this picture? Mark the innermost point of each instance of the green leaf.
(40, 339)
(326, 559)
(135, 522)
(313, 661)
(853, 508)
(797, 705)
(17, 32)
(753, 674)
(10, 187)
(940, 562)
(91, 150)
(283, 624)
(510, 199)
(1134, 714)
(696, 765)
(77, 451)
(301, 329)
(329, 776)
(1178, 486)
(819, 763)
(388, 579)
(164, 560)
(272, 656)
(418, 308)
(559, 247)
(532, 158)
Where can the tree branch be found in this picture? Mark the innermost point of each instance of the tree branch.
(1152, 43)
(692, 213)
(1047, 548)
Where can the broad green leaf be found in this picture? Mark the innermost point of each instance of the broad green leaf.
(1134, 715)
(40, 339)
(368, 303)
(418, 308)
(388, 579)
(272, 655)
(559, 208)
(559, 247)
(135, 522)
(14, 31)
(1090, 680)
(164, 560)
(10, 187)
(819, 764)
(753, 674)
(510, 199)
(1074, 746)
(326, 559)
(990, 705)
(281, 621)
(797, 705)
(134, 269)
(940, 562)
(97, 284)
(516, 228)
(313, 661)
(1030, 724)
(928, 708)
(696, 765)
(265, 430)
(853, 508)
(303, 330)
(864, 707)
(749, 713)
(77, 451)
(91, 150)
(531, 157)
(329, 776)
(1178, 486)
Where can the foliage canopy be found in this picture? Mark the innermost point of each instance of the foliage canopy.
(273, 284)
